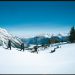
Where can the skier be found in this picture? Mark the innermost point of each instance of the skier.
(52, 51)
(35, 48)
(57, 46)
(22, 46)
(9, 44)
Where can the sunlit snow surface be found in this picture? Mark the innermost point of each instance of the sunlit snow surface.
(62, 61)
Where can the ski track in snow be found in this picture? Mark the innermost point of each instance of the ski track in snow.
(62, 61)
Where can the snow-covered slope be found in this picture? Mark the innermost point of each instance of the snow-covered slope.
(62, 61)
(5, 36)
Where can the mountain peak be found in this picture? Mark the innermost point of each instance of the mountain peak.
(4, 32)
(5, 36)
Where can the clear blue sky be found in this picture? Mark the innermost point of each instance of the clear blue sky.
(37, 17)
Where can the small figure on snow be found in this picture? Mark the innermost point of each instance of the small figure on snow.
(35, 48)
(22, 46)
(57, 46)
(9, 44)
(52, 51)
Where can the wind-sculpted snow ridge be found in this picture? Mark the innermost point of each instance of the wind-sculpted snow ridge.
(5, 36)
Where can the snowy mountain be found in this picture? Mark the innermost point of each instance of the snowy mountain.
(5, 36)
(36, 40)
(64, 37)
(44, 39)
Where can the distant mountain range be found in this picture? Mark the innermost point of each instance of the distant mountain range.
(44, 39)
(16, 41)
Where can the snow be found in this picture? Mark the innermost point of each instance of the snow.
(4, 32)
(5, 36)
(62, 61)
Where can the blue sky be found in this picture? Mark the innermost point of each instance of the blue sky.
(37, 17)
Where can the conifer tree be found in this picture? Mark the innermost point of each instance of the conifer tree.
(72, 35)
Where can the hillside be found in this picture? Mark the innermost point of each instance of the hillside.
(5, 36)
(62, 61)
